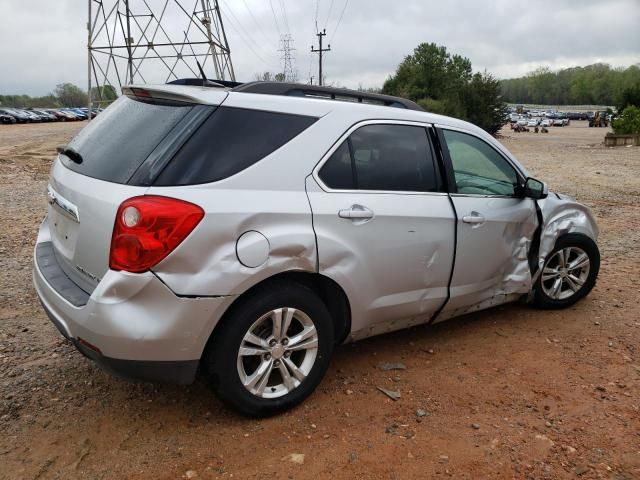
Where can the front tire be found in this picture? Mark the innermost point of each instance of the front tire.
(569, 273)
(271, 350)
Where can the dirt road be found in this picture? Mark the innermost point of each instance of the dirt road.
(506, 393)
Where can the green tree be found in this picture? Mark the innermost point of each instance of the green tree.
(444, 83)
(70, 95)
(629, 122)
(482, 102)
(629, 96)
(106, 93)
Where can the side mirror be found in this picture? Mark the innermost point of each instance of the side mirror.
(535, 189)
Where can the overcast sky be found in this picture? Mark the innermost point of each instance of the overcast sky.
(43, 42)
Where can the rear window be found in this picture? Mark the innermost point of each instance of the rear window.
(118, 141)
(229, 141)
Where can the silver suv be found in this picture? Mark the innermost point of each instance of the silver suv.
(246, 230)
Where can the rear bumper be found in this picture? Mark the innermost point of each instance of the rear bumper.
(138, 327)
(179, 372)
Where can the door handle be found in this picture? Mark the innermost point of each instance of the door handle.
(356, 212)
(474, 218)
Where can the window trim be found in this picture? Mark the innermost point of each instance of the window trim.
(345, 136)
(450, 174)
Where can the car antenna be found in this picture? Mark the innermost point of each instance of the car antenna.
(204, 77)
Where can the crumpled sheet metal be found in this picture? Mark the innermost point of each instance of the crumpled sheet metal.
(510, 280)
(561, 215)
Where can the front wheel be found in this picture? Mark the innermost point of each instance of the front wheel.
(271, 351)
(569, 272)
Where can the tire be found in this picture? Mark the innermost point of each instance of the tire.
(229, 372)
(574, 284)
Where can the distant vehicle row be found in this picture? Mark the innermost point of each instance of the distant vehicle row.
(10, 115)
(538, 121)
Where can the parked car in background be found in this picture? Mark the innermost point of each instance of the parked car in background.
(45, 116)
(522, 122)
(7, 119)
(79, 114)
(19, 115)
(187, 249)
(33, 117)
(62, 116)
(533, 122)
(85, 110)
(546, 122)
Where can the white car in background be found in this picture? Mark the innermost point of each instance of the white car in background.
(533, 122)
(546, 123)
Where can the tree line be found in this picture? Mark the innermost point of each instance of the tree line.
(597, 84)
(64, 95)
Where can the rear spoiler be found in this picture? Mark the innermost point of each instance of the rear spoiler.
(173, 94)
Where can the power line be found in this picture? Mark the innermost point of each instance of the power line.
(238, 22)
(284, 15)
(244, 40)
(339, 19)
(255, 20)
(275, 18)
(326, 22)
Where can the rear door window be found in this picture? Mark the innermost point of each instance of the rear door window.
(229, 141)
(383, 157)
(118, 141)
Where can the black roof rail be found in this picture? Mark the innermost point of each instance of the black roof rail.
(207, 83)
(316, 91)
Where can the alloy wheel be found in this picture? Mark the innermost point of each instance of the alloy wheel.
(277, 353)
(565, 273)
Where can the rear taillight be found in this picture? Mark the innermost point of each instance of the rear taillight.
(148, 228)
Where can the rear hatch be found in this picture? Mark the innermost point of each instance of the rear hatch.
(115, 157)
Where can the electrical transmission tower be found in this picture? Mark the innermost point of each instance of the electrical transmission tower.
(288, 58)
(153, 41)
(319, 51)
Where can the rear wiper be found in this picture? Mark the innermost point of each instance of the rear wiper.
(70, 153)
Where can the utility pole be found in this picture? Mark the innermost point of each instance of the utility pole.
(319, 52)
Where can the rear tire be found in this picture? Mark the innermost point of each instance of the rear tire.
(569, 273)
(260, 369)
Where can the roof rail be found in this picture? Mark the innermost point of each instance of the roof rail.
(330, 93)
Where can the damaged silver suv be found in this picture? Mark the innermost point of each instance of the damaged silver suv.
(245, 230)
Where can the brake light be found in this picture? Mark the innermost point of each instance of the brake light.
(148, 228)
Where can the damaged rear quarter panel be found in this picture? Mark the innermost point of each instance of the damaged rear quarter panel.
(206, 262)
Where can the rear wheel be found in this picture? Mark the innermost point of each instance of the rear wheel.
(569, 272)
(272, 350)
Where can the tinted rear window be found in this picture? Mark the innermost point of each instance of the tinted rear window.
(119, 139)
(229, 141)
(384, 158)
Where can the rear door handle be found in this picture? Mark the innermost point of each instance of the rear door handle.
(474, 218)
(356, 212)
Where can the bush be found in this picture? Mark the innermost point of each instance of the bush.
(629, 122)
